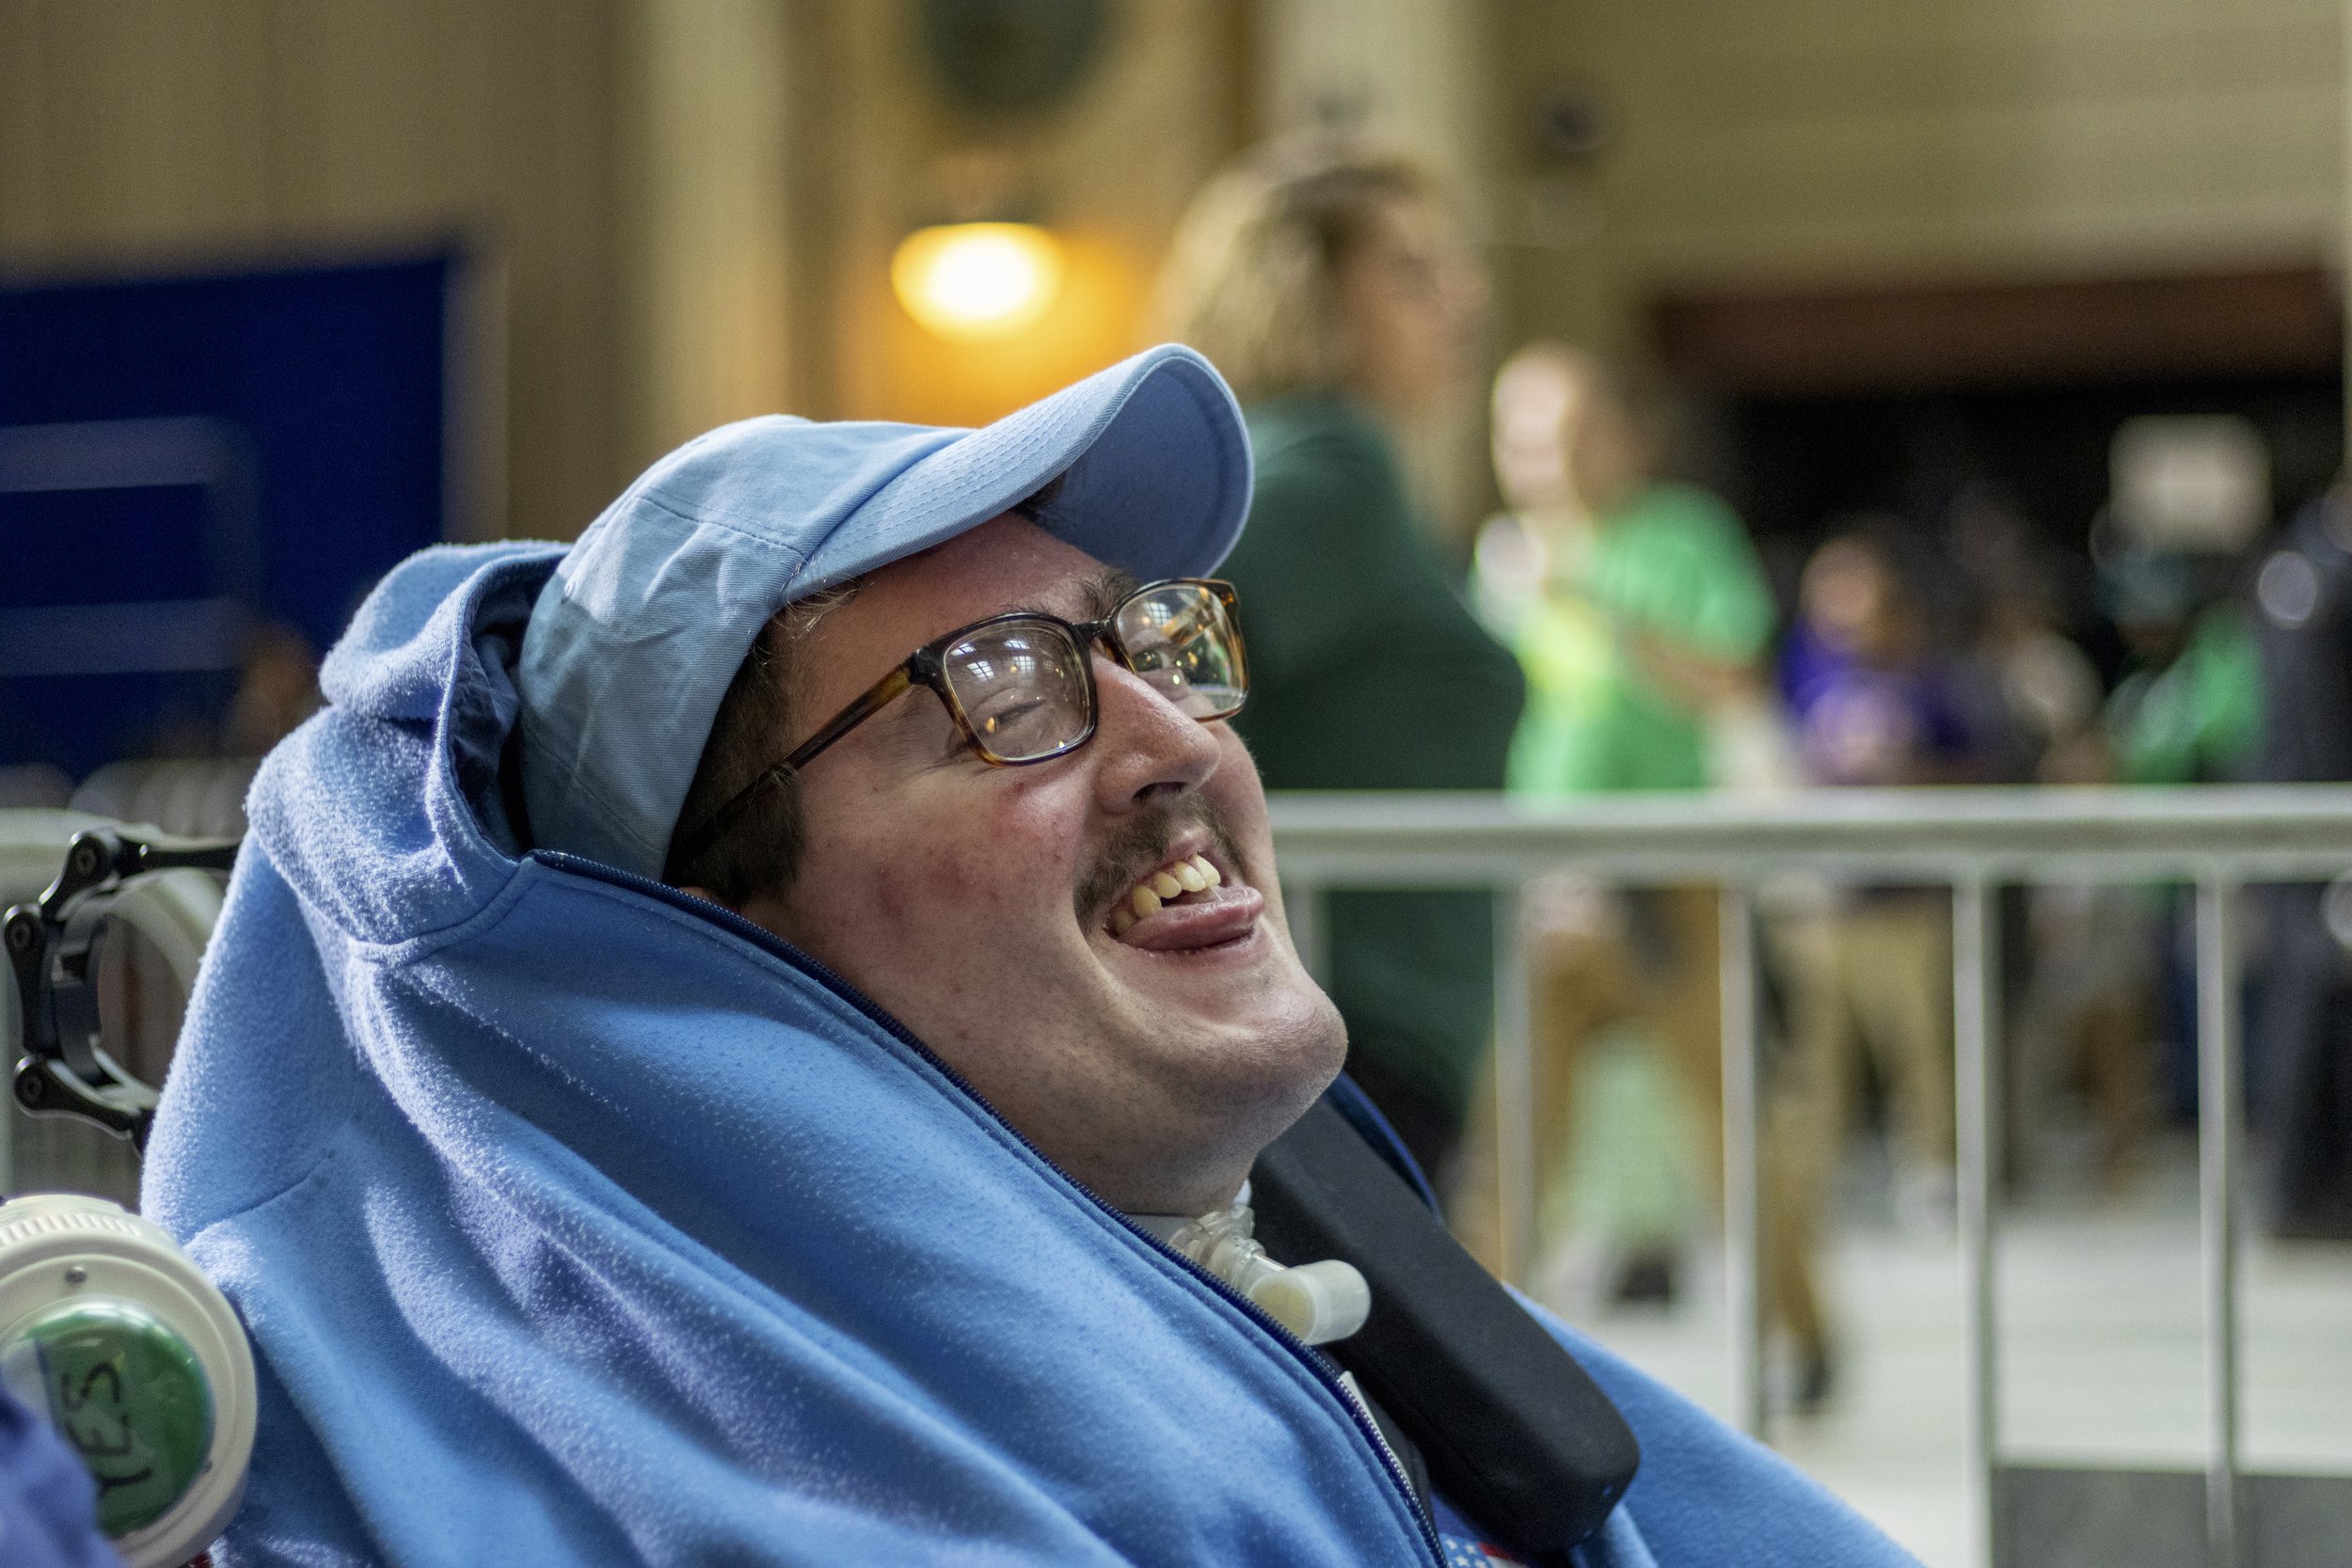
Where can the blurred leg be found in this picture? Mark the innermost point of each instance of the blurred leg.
(1580, 978)
(2118, 1072)
(1681, 1011)
(2302, 1039)
(1806, 1110)
(1901, 973)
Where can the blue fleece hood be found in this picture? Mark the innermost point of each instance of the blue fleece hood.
(575, 1221)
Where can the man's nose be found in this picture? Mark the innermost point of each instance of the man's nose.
(1149, 746)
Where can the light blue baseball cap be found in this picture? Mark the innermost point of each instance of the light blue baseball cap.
(635, 639)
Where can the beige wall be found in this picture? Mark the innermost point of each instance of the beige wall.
(692, 204)
(708, 162)
(1776, 142)
(1411, 72)
(1412, 75)
(139, 134)
(694, 201)
(1110, 172)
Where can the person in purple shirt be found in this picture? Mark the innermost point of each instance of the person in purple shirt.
(1872, 706)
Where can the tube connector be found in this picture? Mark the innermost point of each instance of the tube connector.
(1318, 1301)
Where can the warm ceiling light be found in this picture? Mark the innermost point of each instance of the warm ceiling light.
(978, 282)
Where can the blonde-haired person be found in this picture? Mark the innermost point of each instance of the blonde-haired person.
(1328, 282)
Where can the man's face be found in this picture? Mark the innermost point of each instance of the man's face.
(976, 903)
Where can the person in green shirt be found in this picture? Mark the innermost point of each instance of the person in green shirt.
(1330, 285)
(2188, 711)
(2198, 719)
(1638, 610)
(1647, 609)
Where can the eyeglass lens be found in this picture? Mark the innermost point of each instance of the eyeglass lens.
(1180, 642)
(1023, 688)
(1023, 684)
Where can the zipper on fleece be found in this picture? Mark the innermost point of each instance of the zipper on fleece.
(727, 920)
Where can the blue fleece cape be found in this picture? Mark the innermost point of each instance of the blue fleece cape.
(578, 1222)
(48, 1503)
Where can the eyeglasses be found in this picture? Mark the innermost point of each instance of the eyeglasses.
(1020, 687)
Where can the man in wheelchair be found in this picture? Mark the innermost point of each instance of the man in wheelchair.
(770, 1036)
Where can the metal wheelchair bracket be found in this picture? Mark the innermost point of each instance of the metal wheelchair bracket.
(54, 943)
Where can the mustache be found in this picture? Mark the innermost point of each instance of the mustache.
(1142, 844)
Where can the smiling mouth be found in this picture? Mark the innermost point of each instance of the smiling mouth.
(1172, 883)
(1186, 905)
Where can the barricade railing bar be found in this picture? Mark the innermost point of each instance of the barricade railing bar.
(1975, 840)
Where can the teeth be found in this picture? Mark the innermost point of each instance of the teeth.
(1193, 874)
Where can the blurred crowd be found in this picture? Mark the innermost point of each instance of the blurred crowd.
(1615, 630)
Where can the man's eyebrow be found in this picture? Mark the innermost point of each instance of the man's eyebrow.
(1106, 590)
(1098, 596)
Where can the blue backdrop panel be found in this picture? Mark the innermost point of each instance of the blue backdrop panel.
(182, 457)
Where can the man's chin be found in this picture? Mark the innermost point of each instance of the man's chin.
(1248, 992)
(1229, 978)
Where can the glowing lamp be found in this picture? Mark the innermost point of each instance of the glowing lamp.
(978, 282)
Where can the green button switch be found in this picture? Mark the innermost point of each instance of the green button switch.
(129, 1395)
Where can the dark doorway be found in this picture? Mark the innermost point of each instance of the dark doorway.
(1795, 464)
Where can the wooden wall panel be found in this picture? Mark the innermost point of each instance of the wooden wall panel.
(692, 204)
(175, 133)
(1763, 144)
(709, 165)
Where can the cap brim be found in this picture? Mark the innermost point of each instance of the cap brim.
(1157, 481)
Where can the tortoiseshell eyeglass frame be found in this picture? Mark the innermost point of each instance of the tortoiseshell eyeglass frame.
(927, 666)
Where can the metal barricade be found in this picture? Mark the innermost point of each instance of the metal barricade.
(2218, 839)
